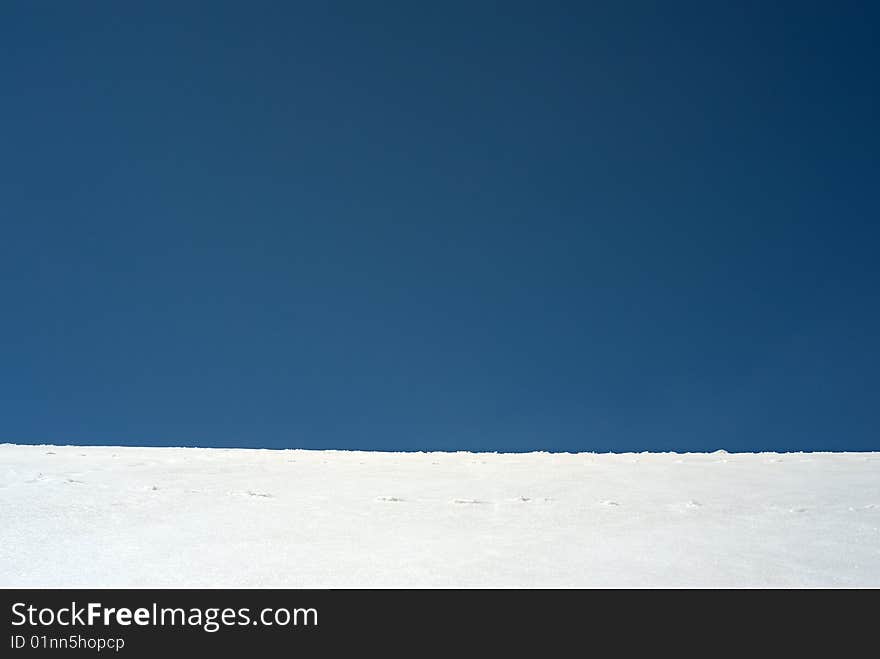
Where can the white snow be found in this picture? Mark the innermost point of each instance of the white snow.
(110, 516)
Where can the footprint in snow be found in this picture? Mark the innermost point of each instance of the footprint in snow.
(523, 499)
(609, 503)
(390, 499)
(797, 510)
(688, 505)
(469, 501)
(262, 495)
(73, 480)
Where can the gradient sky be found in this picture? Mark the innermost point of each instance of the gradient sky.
(478, 226)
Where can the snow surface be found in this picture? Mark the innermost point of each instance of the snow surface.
(109, 516)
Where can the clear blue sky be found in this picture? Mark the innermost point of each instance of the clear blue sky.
(480, 226)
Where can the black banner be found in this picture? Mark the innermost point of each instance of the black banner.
(285, 622)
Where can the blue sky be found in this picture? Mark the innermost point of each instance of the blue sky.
(466, 226)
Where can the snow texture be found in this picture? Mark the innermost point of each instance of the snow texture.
(187, 517)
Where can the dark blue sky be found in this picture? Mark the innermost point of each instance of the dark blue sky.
(480, 226)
